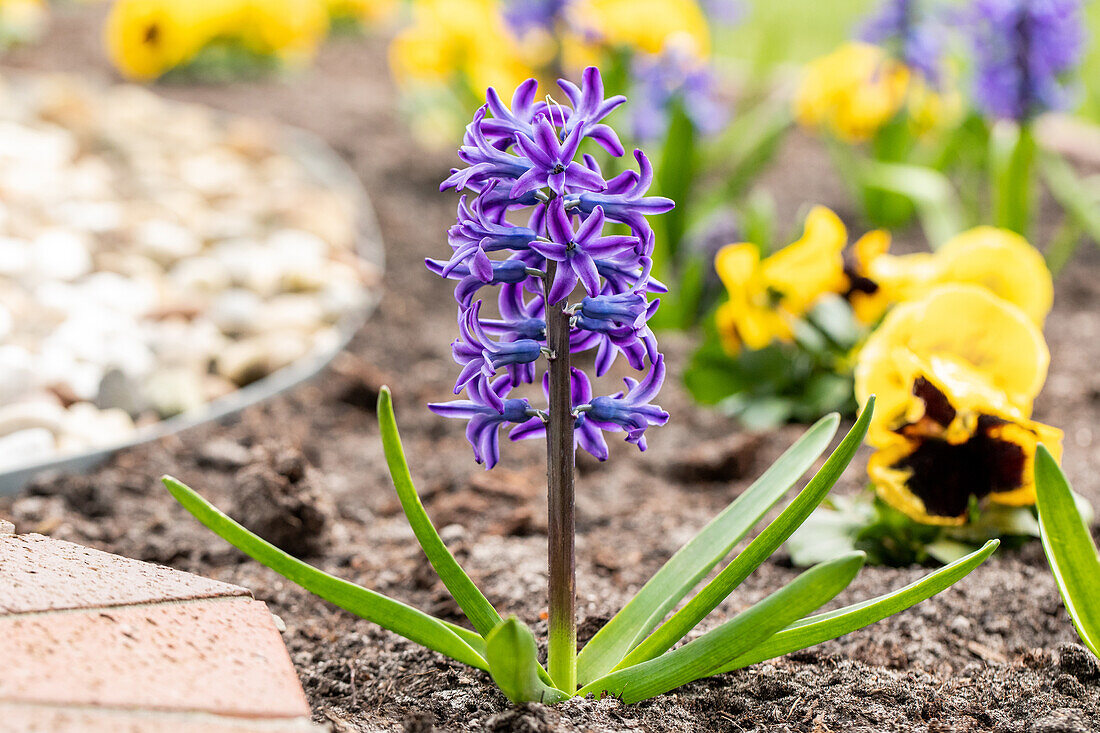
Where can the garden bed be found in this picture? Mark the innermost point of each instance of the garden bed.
(306, 469)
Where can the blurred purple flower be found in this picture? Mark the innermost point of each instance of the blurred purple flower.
(524, 16)
(726, 12)
(674, 78)
(1024, 49)
(912, 33)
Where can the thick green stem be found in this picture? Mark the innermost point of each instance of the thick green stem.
(561, 525)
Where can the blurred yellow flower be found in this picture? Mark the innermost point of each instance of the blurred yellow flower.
(450, 38)
(750, 318)
(289, 29)
(767, 296)
(146, 38)
(803, 271)
(652, 26)
(1002, 261)
(851, 92)
(954, 375)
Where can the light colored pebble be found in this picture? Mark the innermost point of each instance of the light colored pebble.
(38, 413)
(25, 447)
(194, 258)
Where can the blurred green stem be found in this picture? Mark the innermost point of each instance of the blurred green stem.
(1012, 161)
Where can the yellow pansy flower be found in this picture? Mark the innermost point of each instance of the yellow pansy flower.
(1002, 261)
(452, 37)
(289, 29)
(851, 92)
(997, 259)
(930, 108)
(146, 38)
(652, 26)
(748, 319)
(766, 296)
(954, 375)
(803, 271)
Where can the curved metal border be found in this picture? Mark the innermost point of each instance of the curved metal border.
(327, 168)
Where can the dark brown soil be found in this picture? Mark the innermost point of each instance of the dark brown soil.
(994, 653)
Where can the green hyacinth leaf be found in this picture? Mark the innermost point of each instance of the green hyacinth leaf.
(1069, 548)
(514, 666)
(759, 550)
(388, 613)
(469, 598)
(735, 637)
(694, 560)
(825, 626)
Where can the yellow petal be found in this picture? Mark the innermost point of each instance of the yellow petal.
(812, 266)
(737, 266)
(1003, 262)
(146, 38)
(851, 92)
(958, 325)
(652, 26)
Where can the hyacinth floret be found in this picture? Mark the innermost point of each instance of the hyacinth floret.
(524, 161)
(1024, 51)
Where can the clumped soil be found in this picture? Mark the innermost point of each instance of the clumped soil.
(994, 653)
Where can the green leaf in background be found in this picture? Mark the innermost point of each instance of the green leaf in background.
(674, 177)
(1079, 203)
(732, 639)
(469, 598)
(930, 191)
(399, 618)
(1069, 549)
(694, 560)
(1012, 150)
(833, 624)
(514, 666)
(746, 146)
(759, 550)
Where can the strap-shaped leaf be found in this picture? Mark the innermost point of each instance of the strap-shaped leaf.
(759, 550)
(832, 624)
(931, 192)
(469, 598)
(514, 666)
(1069, 548)
(399, 618)
(693, 561)
(735, 637)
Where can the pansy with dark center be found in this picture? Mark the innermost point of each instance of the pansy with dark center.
(949, 459)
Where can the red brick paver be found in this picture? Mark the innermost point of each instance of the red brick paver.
(53, 719)
(93, 642)
(42, 574)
